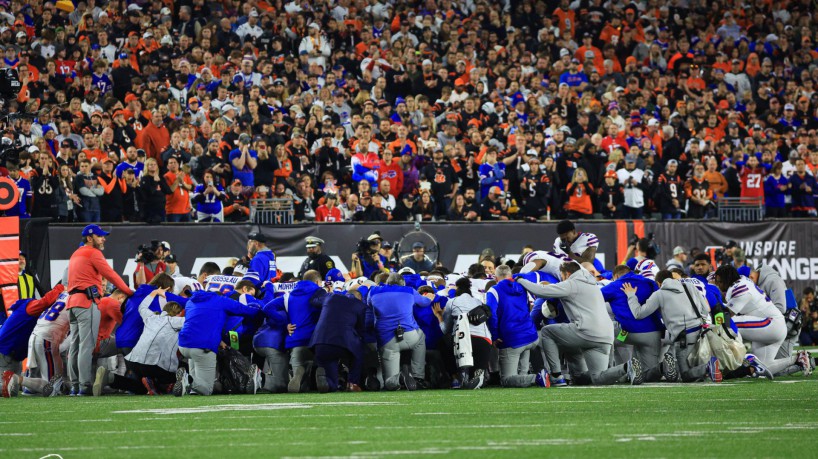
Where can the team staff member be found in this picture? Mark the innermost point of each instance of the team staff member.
(338, 336)
(26, 284)
(86, 268)
(206, 314)
(645, 335)
(589, 334)
(303, 306)
(262, 260)
(316, 258)
(513, 331)
(393, 305)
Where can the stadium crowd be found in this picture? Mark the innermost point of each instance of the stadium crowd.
(553, 317)
(374, 110)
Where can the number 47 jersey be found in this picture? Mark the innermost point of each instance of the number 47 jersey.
(53, 322)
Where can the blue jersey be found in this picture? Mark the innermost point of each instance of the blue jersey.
(274, 329)
(262, 268)
(491, 176)
(211, 205)
(613, 295)
(137, 169)
(20, 209)
(16, 329)
(128, 333)
(573, 79)
(102, 82)
(206, 315)
(427, 321)
(244, 174)
(393, 305)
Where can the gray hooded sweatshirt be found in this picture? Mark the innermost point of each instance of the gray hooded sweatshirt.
(677, 312)
(583, 303)
(773, 285)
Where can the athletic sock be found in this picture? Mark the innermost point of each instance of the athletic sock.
(739, 372)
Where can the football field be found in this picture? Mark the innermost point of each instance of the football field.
(748, 418)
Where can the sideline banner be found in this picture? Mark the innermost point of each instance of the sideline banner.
(789, 246)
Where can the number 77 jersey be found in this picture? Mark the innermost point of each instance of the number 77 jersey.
(53, 322)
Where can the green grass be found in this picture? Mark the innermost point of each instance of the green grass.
(748, 418)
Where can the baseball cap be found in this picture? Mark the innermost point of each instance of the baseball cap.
(418, 245)
(630, 158)
(678, 250)
(386, 245)
(495, 190)
(673, 162)
(730, 244)
(789, 107)
(610, 174)
(170, 259)
(257, 236)
(94, 230)
(375, 237)
(313, 241)
(406, 270)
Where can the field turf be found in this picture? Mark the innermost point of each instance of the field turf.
(748, 418)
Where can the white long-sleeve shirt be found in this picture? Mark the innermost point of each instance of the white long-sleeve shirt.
(160, 338)
(461, 306)
(319, 44)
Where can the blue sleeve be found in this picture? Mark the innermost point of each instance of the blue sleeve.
(272, 315)
(491, 302)
(421, 300)
(485, 174)
(235, 308)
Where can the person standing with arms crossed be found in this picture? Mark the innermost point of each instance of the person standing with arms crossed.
(86, 268)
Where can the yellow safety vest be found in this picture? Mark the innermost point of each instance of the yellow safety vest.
(25, 284)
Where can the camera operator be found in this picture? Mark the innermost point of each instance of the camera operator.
(367, 258)
(148, 262)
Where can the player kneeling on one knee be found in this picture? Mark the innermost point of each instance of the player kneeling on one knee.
(206, 314)
(513, 331)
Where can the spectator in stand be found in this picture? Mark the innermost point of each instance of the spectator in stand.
(635, 183)
(579, 192)
(752, 176)
(698, 194)
(802, 188)
(669, 195)
(236, 203)
(153, 190)
(89, 190)
(243, 160)
(208, 197)
(611, 196)
(329, 211)
(776, 187)
(154, 137)
(177, 207)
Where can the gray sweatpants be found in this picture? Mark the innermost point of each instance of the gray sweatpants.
(514, 366)
(9, 364)
(587, 360)
(276, 378)
(647, 348)
(413, 340)
(84, 325)
(686, 372)
(202, 368)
